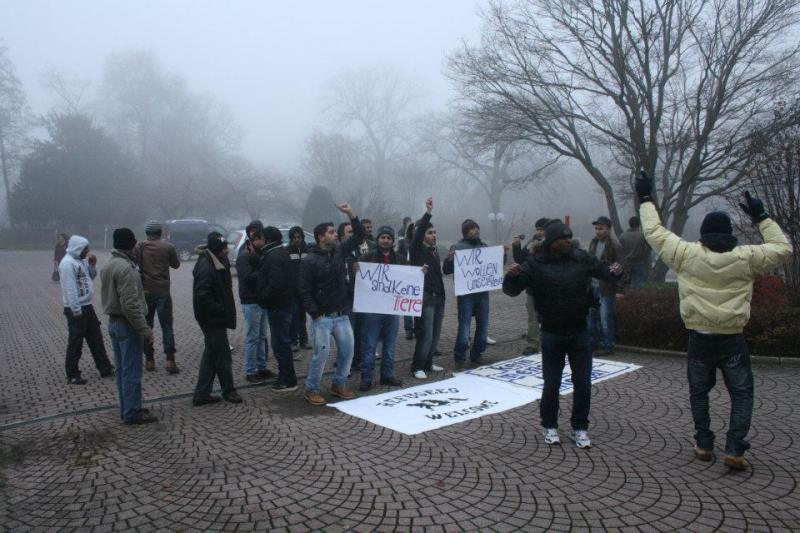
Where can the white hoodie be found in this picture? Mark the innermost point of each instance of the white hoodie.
(76, 276)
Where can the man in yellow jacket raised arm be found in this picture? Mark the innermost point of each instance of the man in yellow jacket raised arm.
(715, 284)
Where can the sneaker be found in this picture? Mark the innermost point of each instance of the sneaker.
(420, 374)
(702, 454)
(551, 436)
(735, 462)
(232, 397)
(208, 400)
(283, 387)
(150, 365)
(342, 392)
(436, 368)
(490, 341)
(255, 379)
(581, 438)
(315, 398)
(171, 367)
(364, 387)
(266, 373)
(391, 381)
(77, 381)
(142, 418)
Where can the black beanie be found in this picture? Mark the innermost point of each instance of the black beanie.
(716, 222)
(385, 230)
(124, 239)
(215, 242)
(468, 225)
(554, 230)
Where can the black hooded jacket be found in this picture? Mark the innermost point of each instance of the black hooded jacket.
(560, 286)
(212, 292)
(276, 279)
(323, 276)
(422, 254)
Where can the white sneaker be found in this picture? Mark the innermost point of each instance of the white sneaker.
(436, 368)
(551, 436)
(581, 438)
(420, 374)
(490, 341)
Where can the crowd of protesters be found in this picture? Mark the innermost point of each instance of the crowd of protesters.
(570, 299)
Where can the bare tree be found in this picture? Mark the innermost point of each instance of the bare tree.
(72, 91)
(667, 86)
(14, 124)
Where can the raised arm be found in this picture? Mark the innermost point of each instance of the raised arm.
(669, 247)
(776, 247)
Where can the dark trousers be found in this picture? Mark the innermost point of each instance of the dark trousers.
(428, 328)
(297, 330)
(86, 326)
(408, 325)
(280, 321)
(730, 354)
(357, 322)
(215, 363)
(576, 348)
(160, 304)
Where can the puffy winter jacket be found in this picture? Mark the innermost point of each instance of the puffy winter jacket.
(123, 293)
(560, 286)
(715, 288)
(212, 292)
(275, 277)
(323, 276)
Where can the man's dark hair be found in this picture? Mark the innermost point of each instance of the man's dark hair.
(634, 222)
(366, 221)
(296, 230)
(320, 229)
(255, 224)
(273, 234)
(257, 233)
(340, 229)
(406, 220)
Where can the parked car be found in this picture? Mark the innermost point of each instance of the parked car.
(186, 234)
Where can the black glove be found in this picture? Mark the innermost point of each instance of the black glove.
(644, 188)
(754, 208)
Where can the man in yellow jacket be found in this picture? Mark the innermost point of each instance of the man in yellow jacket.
(715, 284)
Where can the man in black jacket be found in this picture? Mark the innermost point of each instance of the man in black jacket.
(297, 251)
(423, 252)
(379, 326)
(323, 289)
(559, 275)
(255, 319)
(275, 290)
(215, 312)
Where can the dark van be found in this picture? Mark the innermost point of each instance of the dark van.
(186, 234)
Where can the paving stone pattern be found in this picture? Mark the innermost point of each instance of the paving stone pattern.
(274, 462)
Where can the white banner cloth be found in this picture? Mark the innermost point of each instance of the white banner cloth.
(388, 289)
(478, 270)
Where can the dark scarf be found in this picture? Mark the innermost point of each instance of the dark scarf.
(719, 242)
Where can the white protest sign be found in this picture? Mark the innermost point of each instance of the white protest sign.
(435, 405)
(388, 289)
(478, 270)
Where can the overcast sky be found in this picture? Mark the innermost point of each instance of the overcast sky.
(269, 61)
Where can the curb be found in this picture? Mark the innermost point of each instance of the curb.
(761, 359)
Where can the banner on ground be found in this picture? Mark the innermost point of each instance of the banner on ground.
(527, 372)
(478, 270)
(388, 289)
(434, 405)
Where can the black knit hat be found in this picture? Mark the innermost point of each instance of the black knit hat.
(124, 239)
(716, 222)
(467, 226)
(555, 230)
(215, 242)
(385, 230)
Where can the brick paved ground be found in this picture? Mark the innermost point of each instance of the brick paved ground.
(66, 461)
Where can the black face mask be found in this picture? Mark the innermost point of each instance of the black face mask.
(719, 242)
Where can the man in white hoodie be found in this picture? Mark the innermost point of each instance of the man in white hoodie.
(77, 270)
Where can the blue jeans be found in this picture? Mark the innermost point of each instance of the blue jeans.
(375, 327)
(576, 347)
(601, 323)
(638, 274)
(255, 338)
(321, 331)
(161, 305)
(429, 328)
(280, 321)
(128, 348)
(470, 305)
(730, 354)
(297, 331)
